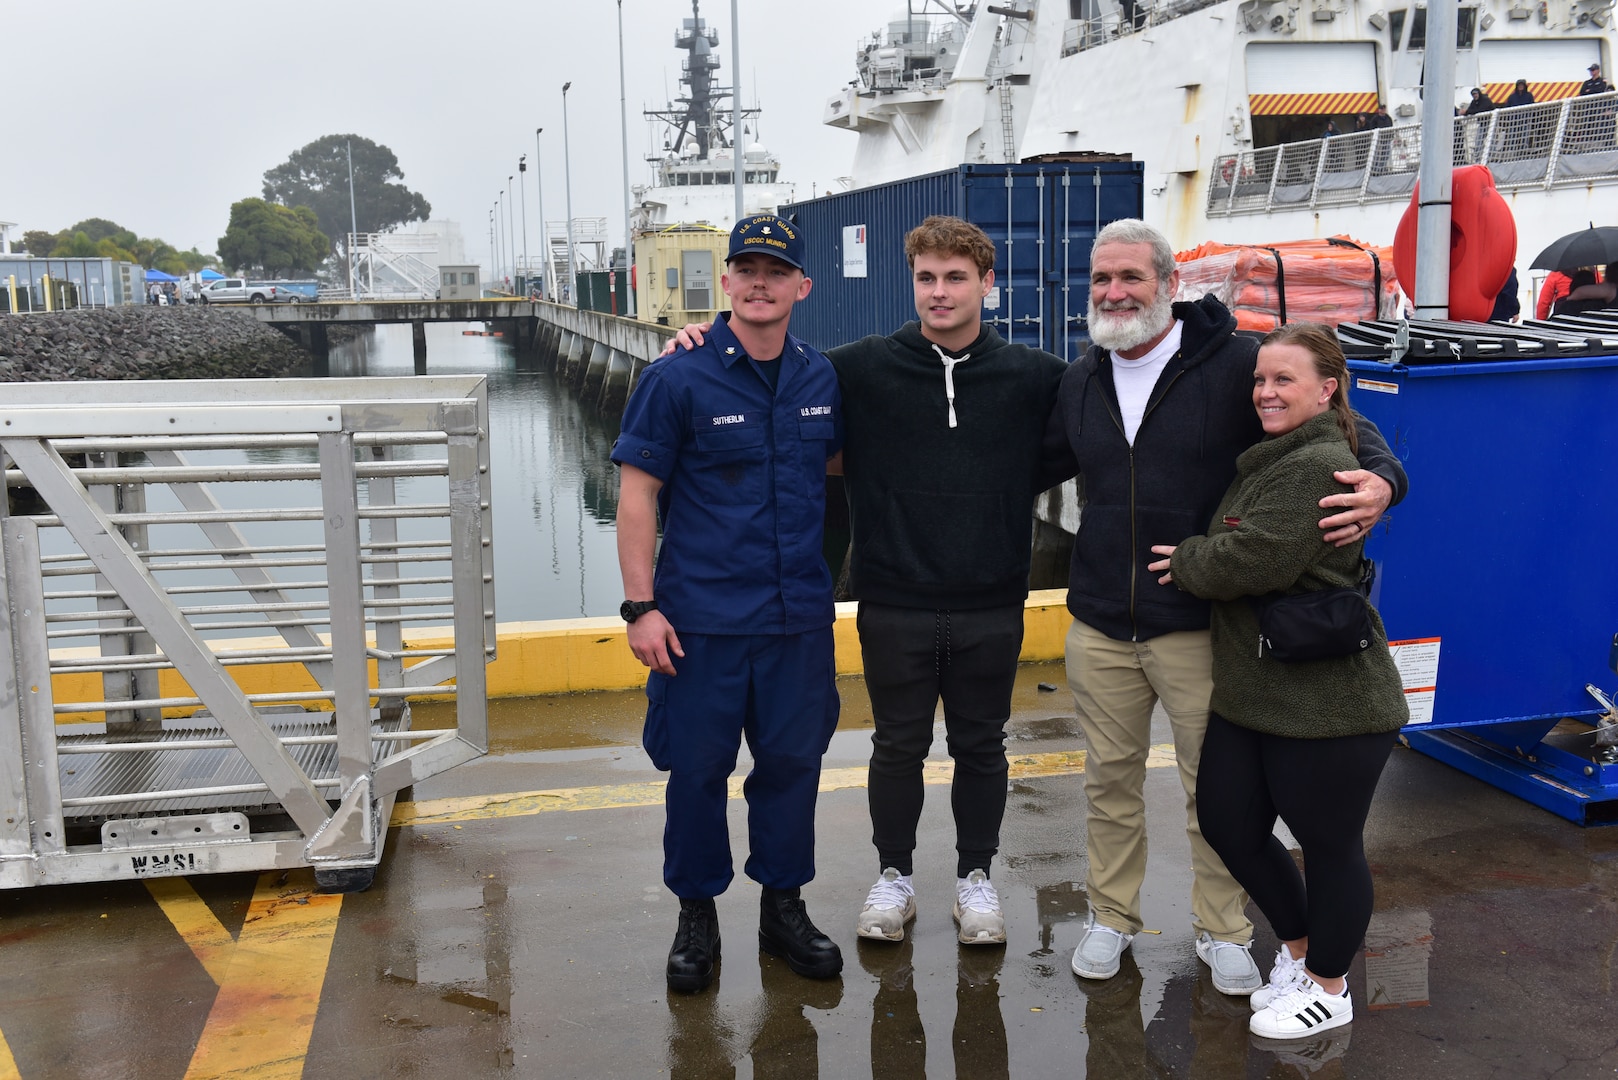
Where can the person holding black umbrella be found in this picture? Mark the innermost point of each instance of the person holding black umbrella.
(1588, 293)
(1595, 246)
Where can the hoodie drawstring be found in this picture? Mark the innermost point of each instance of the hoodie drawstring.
(949, 377)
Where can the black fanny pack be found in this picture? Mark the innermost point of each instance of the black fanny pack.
(1320, 625)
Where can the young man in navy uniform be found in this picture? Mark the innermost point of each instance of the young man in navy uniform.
(727, 443)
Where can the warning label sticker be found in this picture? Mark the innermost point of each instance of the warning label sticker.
(1417, 661)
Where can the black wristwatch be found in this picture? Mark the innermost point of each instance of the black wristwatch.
(634, 609)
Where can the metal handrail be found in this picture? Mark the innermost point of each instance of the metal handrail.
(1568, 142)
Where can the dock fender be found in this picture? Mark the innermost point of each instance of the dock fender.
(1482, 243)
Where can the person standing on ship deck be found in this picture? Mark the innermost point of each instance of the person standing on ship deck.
(1152, 420)
(728, 444)
(941, 496)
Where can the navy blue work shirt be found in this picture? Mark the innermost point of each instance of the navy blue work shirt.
(744, 484)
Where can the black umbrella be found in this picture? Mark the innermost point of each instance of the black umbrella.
(1587, 247)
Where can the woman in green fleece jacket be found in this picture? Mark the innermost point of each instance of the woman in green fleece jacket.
(1303, 741)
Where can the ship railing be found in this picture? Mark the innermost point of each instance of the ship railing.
(1547, 145)
(1127, 18)
(219, 600)
(891, 79)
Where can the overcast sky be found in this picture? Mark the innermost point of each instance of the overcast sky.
(159, 116)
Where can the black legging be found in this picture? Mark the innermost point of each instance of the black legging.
(913, 658)
(1322, 789)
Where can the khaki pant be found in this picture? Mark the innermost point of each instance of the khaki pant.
(1115, 685)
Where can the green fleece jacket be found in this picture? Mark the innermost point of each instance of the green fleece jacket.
(1265, 537)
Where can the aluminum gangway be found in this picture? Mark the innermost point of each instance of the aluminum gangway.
(218, 600)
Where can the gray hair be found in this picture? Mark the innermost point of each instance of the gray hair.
(1136, 231)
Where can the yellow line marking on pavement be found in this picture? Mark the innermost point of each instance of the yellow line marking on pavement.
(207, 937)
(650, 793)
(8, 1064)
(261, 1020)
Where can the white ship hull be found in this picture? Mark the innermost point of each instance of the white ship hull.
(1184, 91)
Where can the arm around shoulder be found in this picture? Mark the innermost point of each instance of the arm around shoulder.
(1376, 457)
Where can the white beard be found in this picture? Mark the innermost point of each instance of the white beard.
(1122, 330)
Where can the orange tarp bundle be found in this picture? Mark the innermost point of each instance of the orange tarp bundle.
(1264, 285)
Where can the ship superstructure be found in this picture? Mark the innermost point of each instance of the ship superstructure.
(694, 175)
(1226, 103)
(682, 219)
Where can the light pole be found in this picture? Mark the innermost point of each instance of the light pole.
(623, 123)
(511, 232)
(494, 255)
(353, 220)
(567, 177)
(544, 237)
(500, 231)
(736, 107)
(522, 167)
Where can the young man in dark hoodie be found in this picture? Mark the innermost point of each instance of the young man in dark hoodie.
(941, 462)
(942, 451)
(1152, 420)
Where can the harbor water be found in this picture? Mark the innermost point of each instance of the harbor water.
(555, 487)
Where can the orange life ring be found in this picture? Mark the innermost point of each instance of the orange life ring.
(1482, 243)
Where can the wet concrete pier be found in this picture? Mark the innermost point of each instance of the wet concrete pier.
(518, 927)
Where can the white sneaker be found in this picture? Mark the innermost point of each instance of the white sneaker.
(889, 905)
(1232, 966)
(977, 911)
(1302, 1013)
(1286, 975)
(1100, 951)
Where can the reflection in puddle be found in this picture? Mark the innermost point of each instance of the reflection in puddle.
(705, 1043)
(980, 1024)
(898, 1041)
(1064, 902)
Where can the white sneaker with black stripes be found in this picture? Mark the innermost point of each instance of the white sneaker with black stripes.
(1303, 1012)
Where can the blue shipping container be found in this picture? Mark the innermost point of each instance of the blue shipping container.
(1042, 218)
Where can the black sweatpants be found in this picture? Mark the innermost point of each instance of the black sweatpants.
(913, 657)
(1322, 789)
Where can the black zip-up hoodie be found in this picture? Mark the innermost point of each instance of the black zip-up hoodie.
(941, 456)
(1166, 486)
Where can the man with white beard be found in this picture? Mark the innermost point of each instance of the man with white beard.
(1152, 420)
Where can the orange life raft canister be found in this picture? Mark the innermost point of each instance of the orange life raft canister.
(1482, 243)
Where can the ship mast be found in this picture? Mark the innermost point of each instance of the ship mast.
(697, 115)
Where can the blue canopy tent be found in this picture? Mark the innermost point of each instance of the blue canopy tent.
(210, 274)
(158, 275)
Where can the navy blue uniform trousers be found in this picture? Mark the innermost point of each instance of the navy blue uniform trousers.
(779, 692)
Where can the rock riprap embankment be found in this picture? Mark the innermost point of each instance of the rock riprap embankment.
(185, 342)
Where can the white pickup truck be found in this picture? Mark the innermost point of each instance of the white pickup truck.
(243, 291)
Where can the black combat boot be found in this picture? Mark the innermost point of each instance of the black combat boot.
(784, 930)
(696, 946)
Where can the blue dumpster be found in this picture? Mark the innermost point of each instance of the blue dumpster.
(1496, 578)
